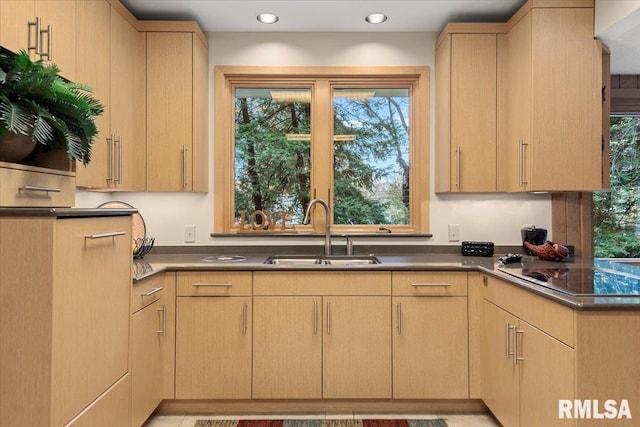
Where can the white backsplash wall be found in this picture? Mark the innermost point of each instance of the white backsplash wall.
(482, 217)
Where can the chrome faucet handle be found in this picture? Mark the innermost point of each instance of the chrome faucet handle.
(349, 244)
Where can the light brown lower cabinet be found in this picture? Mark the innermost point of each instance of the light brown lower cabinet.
(287, 345)
(148, 333)
(322, 335)
(65, 287)
(525, 371)
(357, 347)
(430, 348)
(109, 410)
(213, 335)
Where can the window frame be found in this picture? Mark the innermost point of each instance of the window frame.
(321, 80)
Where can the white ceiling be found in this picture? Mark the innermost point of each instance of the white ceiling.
(348, 15)
(324, 15)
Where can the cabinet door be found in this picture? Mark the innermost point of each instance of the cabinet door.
(15, 15)
(60, 43)
(213, 347)
(357, 347)
(500, 389)
(430, 348)
(169, 111)
(515, 168)
(546, 361)
(128, 91)
(473, 112)
(91, 314)
(146, 360)
(566, 101)
(93, 45)
(287, 336)
(109, 410)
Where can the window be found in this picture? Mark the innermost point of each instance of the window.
(357, 138)
(616, 212)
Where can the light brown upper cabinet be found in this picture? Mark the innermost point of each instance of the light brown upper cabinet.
(113, 63)
(177, 93)
(553, 138)
(466, 99)
(44, 28)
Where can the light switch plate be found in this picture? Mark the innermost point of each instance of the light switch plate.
(189, 233)
(454, 232)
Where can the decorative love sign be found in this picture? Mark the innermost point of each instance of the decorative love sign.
(266, 222)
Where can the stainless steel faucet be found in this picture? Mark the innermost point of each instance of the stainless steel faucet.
(349, 245)
(327, 229)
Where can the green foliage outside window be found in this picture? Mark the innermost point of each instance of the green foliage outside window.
(370, 156)
(616, 213)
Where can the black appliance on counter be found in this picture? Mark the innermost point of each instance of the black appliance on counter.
(533, 235)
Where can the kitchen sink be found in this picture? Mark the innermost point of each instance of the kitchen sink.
(295, 260)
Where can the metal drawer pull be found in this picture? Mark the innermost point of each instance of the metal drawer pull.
(48, 54)
(163, 332)
(399, 308)
(458, 167)
(507, 346)
(516, 358)
(417, 285)
(31, 47)
(151, 292)
(244, 319)
(213, 285)
(315, 317)
(118, 141)
(43, 189)
(184, 166)
(104, 235)
(328, 318)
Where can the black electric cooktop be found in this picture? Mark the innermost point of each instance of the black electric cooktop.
(605, 278)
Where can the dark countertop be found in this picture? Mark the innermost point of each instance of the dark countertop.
(156, 263)
(65, 212)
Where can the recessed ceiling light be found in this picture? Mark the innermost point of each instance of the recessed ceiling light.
(268, 18)
(376, 18)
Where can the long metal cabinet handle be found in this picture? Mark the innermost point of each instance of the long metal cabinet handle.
(516, 358)
(111, 161)
(119, 142)
(399, 309)
(507, 334)
(151, 292)
(315, 317)
(458, 167)
(244, 318)
(184, 166)
(213, 285)
(43, 189)
(521, 165)
(31, 47)
(104, 235)
(328, 318)
(163, 331)
(419, 285)
(48, 54)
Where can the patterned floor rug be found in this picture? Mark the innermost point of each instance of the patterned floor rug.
(322, 423)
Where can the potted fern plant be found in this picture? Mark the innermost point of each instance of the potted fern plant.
(43, 108)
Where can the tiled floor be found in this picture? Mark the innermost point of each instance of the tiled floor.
(453, 420)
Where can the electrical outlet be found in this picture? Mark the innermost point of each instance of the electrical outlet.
(189, 233)
(454, 232)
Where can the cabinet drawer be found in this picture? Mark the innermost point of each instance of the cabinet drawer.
(207, 283)
(146, 292)
(28, 188)
(110, 409)
(322, 283)
(436, 283)
(551, 317)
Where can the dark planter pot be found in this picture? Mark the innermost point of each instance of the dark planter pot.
(15, 147)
